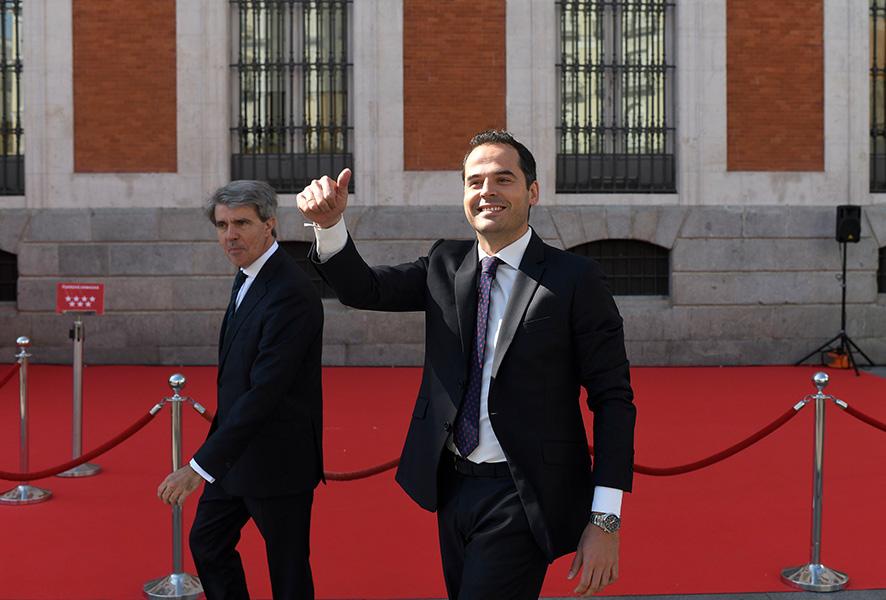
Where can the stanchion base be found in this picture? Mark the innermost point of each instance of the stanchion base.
(84, 470)
(25, 494)
(180, 586)
(815, 578)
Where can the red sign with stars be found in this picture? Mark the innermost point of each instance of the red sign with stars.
(80, 297)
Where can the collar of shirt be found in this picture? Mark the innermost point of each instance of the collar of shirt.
(253, 269)
(512, 254)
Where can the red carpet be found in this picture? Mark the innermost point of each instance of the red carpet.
(729, 528)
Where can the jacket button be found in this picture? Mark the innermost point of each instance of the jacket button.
(447, 426)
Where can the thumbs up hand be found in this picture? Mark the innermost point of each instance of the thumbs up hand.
(325, 199)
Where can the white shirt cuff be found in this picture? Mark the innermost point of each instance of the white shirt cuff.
(607, 500)
(201, 472)
(330, 241)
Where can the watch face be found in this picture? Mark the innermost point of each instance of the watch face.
(607, 522)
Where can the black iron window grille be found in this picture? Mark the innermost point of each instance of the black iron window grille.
(881, 272)
(292, 76)
(632, 267)
(878, 96)
(8, 276)
(299, 251)
(616, 95)
(12, 148)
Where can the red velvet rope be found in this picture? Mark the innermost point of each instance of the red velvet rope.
(10, 374)
(206, 415)
(865, 418)
(369, 472)
(131, 430)
(654, 471)
(362, 474)
(722, 455)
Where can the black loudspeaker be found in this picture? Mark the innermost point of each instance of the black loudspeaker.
(848, 223)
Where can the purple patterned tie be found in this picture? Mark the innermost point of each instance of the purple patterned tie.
(467, 424)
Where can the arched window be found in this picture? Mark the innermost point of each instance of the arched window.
(634, 268)
(8, 276)
(881, 272)
(299, 251)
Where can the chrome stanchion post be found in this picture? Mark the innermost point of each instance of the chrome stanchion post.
(24, 493)
(814, 576)
(86, 469)
(178, 584)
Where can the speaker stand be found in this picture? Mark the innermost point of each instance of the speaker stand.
(841, 343)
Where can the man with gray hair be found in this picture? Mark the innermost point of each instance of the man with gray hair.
(263, 456)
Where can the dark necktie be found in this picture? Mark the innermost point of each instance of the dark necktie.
(467, 424)
(239, 278)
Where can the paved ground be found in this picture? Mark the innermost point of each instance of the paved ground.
(879, 371)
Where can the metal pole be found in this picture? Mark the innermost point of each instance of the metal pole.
(817, 480)
(176, 407)
(24, 493)
(178, 584)
(815, 576)
(86, 469)
(24, 455)
(843, 293)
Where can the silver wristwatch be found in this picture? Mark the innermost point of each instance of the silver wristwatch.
(608, 522)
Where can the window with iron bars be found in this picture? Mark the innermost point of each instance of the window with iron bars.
(878, 95)
(616, 95)
(292, 76)
(8, 276)
(632, 267)
(12, 148)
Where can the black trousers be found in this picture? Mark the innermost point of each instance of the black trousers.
(487, 548)
(285, 525)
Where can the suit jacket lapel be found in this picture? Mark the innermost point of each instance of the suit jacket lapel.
(253, 296)
(528, 278)
(466, 301)
(221, 337)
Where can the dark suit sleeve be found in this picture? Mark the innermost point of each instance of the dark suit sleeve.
(397, 288)
(292, 324)
(603, 368)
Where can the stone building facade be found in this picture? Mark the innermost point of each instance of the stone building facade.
(127, 118)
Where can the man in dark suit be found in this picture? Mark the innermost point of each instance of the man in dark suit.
(513, 329)
(262, 458)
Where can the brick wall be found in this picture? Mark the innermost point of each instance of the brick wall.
(453, 78)
(124, 86)
(775, 85)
